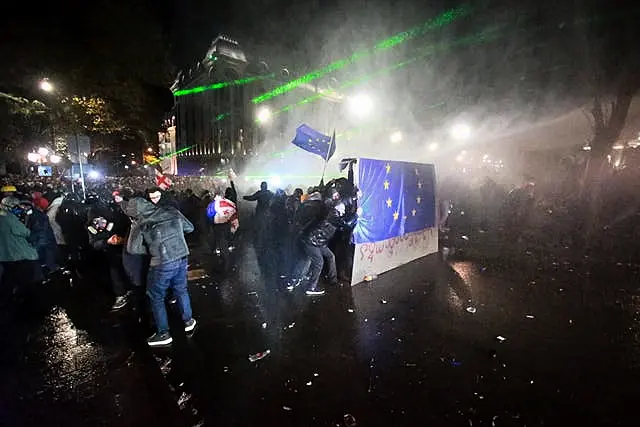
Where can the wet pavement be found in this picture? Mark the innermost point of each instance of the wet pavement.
(431, 343)
(66, 360)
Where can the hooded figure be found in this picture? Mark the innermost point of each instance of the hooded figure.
(159, 231)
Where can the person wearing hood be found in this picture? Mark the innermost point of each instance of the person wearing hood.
(42, 237)
(19, 259)
(159, 231)
(263, 197)
(318, 224)
(107, 233)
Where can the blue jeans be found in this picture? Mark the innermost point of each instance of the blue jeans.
(162, 277)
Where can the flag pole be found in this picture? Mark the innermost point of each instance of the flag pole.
(326, 159)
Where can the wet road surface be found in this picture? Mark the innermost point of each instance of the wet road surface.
(431, 343)
(66, 360)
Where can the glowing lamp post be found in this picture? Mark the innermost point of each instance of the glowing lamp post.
(360, 105)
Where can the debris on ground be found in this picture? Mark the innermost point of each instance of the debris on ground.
(350, 310)
(370, 277)
(529, 316)
(264, 325)
(259, 356)
(286, 408)
(471, 309)
(349, 420)
(383, 301)
(501, 338)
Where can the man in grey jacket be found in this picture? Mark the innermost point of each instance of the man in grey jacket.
(159, 232)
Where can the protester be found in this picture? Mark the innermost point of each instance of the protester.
(160, 231)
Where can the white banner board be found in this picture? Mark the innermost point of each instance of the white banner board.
(371, 259)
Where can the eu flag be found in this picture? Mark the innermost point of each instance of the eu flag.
(315, 142)
(397, 198)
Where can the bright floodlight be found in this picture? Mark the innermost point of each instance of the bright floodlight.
(43, 151)
(433, 146)
(46, 85)
(264, 115)
(396, 137)
(274, 181)
(55, 158)
(33, 157)
(93, 174)
(461, 131)
(361, 105)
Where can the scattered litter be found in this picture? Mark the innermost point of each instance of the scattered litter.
(252, 293)
(393, 319)
(350, 310)
(349, 420)
(471, 310)
(366, 320)
(291, 325)
(309, 383)
(529, 316)
(184, 398)
(225, 369)
(316, 374)
(383, 301)
(464, 237)
(370, 277)
(259, 356)
(501, 338)
(570, 322)
(264, 325)
(286, 408)
(410, 365)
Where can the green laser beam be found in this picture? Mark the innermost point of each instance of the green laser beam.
(481, 37)
(221, 85)
(175, 153)
(438, 22)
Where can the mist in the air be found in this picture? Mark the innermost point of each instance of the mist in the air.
(467, 95)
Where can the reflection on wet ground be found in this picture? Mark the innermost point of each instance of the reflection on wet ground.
(67, 361)
(431, 343)
(447, 344)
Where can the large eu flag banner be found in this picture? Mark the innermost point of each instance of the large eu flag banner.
(315, 142)
(397, 198)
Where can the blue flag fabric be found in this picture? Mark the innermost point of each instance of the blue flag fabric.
(397, 198)
(315, 142)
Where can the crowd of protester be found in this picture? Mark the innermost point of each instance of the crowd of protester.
(142, 236)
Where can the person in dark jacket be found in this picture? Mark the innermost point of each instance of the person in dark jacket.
(41, 237)
(263, 197)
(322, 222)
(107, 231)
(159, 231)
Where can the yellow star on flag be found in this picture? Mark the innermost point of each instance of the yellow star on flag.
(413, 212)
(395, 215)
(388, 168)
(386, 185)
(418, 199)
(389, 202)
(419, 184)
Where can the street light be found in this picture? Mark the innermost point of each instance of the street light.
(361, 105)
(264, 115)
(46, 85)
(461, 131)
(396, 137)
(55, 158)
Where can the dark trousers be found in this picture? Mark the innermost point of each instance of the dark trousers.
(117, 274)
(318, 256)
